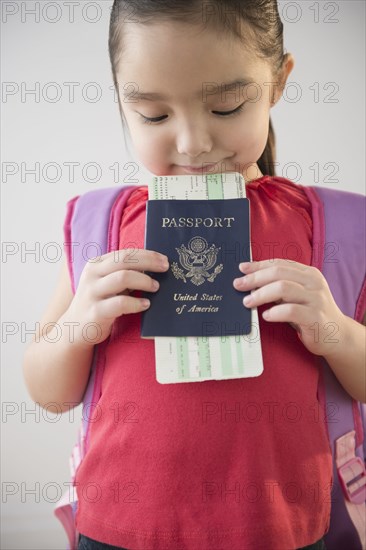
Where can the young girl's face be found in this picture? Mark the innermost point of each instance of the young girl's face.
(188, 68)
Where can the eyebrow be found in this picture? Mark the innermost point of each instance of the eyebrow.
(224, 87)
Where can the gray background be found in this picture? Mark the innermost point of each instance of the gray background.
(320, 141)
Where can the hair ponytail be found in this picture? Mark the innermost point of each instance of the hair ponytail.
(266, 163)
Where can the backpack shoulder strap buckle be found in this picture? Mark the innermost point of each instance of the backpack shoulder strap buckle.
(352, 475)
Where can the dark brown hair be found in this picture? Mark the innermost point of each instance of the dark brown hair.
(260, 18)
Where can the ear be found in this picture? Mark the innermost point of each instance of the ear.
(287, 65)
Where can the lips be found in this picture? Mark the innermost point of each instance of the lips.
(198, 168)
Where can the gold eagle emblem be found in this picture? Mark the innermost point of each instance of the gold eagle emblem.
(197, 259)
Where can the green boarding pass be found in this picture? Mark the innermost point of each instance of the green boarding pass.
(196, 359)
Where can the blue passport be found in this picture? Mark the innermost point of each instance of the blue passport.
(204, 240)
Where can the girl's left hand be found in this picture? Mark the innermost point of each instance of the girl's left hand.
(303, 299)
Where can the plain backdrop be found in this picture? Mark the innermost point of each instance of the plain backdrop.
(320, 130)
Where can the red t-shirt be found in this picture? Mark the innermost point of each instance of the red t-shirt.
(230, 464)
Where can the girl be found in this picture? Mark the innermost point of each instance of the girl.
(222, 464)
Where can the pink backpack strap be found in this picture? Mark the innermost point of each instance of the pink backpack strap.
(91, 229)
(68, 246)
(339, 253)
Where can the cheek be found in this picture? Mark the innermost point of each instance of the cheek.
(252, 133)
(152, 149)
(150, 143)
(147, 142)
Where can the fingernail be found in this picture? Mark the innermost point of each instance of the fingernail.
(145, 303)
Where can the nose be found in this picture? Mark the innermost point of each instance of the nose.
(193, 139)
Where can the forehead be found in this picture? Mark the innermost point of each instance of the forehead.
(175, 60)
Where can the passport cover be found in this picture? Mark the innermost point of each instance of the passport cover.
(204, 240)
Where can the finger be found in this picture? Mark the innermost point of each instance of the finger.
(135, 259)
(293, 325)
(122, 282)
(305, 277)
(286, 291)
(294, 314)
(249, 267)
(113, 307)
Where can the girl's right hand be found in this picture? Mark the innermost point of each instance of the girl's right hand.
(102, 293)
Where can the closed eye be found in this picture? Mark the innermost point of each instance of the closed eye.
(227, 113)
(220, 113)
